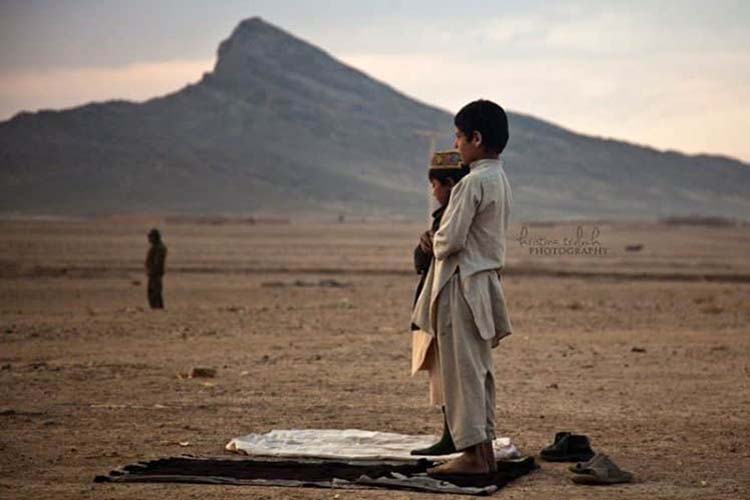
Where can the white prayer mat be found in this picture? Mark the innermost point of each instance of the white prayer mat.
(349, 444)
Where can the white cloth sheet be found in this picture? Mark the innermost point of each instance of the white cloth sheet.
(348, 444)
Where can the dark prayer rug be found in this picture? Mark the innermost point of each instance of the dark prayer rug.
(316, 473)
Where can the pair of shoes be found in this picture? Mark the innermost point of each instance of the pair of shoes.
(599, 470)
(443, 447)
(568, 447)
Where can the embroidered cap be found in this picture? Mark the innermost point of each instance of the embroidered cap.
(446, 160)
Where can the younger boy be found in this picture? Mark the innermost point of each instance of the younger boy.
(462, 302)
(445, 171)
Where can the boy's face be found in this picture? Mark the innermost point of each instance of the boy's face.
(468, 147)
(441, 192)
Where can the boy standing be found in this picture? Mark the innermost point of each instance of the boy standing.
(462, 302)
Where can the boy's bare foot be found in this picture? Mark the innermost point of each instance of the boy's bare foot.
(472, 461)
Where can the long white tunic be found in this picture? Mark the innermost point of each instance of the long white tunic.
(471, 241)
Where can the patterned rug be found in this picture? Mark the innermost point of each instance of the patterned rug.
(319, 473)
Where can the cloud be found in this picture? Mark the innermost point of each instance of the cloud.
(567, 28)
(512, 29)
(62, 88)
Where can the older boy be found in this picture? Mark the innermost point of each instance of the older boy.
(462, 302)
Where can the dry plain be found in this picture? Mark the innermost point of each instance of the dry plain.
(647, 352)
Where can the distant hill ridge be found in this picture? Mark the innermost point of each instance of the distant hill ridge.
(280, 126)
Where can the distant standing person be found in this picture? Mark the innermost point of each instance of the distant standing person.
(155, 262)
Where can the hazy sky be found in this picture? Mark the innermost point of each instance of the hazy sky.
(670, 74)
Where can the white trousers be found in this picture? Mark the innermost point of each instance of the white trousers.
(466, 369)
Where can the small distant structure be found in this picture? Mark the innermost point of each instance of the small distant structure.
(700, 220)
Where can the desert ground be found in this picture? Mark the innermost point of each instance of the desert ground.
(647, 352)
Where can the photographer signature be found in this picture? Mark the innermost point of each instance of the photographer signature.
(581, 244)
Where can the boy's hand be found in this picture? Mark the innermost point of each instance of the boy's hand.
(496, 340)
(425, 242)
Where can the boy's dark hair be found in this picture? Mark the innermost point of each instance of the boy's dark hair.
(443, 174)
(487, 118)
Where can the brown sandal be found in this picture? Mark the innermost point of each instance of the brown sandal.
(601, 470)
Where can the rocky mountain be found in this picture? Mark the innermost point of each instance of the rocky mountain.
(280, 126)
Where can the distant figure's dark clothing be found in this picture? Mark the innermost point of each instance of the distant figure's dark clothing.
(155, 287)
(422, 259)
(155, 262)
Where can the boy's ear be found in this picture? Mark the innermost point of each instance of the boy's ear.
(476, 138)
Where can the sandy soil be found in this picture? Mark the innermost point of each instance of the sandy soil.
(89, 379)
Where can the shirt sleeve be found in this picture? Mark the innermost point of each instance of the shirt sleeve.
(454, 228)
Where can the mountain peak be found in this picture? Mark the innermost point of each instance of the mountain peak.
(255, 26)
(254, 44)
